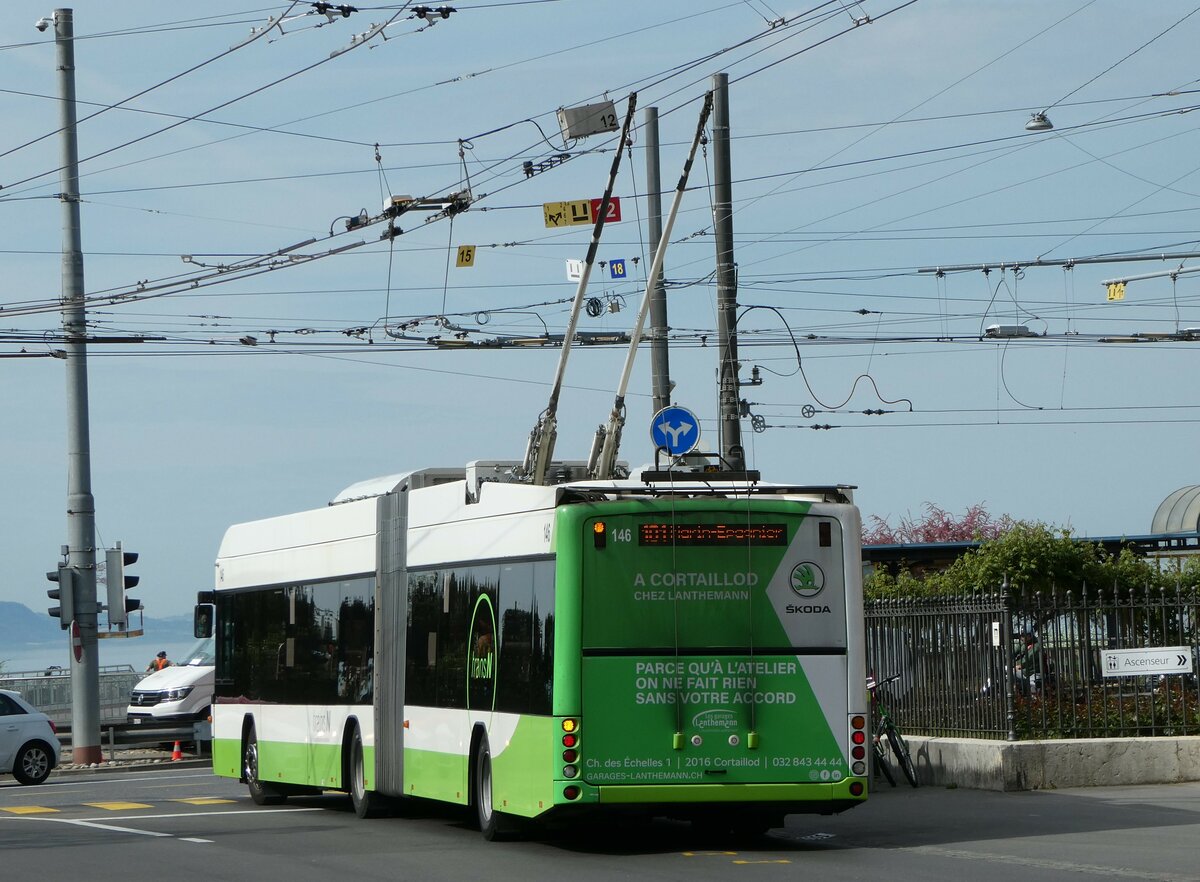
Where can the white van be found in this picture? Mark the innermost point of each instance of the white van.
(181, 693)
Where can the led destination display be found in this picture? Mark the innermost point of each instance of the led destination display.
(711, 535)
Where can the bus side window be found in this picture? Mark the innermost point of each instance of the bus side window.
(425, 603)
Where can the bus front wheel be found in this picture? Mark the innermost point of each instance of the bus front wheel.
(262, 794)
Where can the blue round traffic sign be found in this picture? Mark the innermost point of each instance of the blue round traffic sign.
(675, 429)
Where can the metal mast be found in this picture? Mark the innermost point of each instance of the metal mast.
(81, 507)
(660, 367)
(731, 432)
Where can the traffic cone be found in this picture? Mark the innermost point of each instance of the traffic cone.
(177, 753)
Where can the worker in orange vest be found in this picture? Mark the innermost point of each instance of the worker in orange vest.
(159, 662)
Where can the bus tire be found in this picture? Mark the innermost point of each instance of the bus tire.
(493, 825)
(262, 794)
(367, 803)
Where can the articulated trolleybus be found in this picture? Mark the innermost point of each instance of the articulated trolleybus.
(678, 644)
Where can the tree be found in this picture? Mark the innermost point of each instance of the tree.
(938, 525)
(1033, 557)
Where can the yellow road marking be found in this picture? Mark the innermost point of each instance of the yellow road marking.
(763, 862)
(118, 806)
(29, 810)
(708, 853)
(206, 800)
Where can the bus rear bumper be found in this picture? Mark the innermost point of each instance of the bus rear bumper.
(766, 804)
(806, 797)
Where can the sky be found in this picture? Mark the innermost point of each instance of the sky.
(870, 142)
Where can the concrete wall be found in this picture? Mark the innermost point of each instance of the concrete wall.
(1035, 765)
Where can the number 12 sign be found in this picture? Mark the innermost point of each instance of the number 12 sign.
(614, 209)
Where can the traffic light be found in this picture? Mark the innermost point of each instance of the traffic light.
(120, 606)
(64, 593)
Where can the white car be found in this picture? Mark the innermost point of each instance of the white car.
(29, 747)
(177, 694)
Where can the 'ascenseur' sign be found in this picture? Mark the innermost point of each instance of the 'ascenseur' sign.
(1147, 662)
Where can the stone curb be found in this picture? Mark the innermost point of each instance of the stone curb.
(132, 765)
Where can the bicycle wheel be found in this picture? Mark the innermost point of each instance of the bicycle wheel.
(881, 763)
(903, 757)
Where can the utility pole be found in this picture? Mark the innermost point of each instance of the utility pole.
(727, 378)
(660, 368)
(81, 508)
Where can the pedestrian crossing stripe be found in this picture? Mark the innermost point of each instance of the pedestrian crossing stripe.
(118, 806)
(28, 810)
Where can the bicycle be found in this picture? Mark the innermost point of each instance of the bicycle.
(883, 725)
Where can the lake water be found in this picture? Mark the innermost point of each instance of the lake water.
(136, 652)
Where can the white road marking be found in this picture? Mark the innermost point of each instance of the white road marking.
(112, 827)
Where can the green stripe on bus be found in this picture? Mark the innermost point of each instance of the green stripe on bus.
(523, 773)
(434, 775)
(314, 765)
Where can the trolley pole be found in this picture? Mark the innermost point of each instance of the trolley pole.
(660, 368)
(729, 390)
(81, 508)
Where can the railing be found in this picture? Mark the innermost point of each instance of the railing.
(1019, 666)
(49, 690)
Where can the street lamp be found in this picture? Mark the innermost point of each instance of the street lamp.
(1039, 122)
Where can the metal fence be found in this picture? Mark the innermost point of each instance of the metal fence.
(1029, 666)
(50, 690)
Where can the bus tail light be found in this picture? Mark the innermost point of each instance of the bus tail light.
(856, 787)
(572, 792)
(599, 534)
(858, 753)
(570, 741)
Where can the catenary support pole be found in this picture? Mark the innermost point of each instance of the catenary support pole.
(729, 392)
(81, 512)
(660, 368)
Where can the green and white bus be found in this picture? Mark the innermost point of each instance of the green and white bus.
(679, 644)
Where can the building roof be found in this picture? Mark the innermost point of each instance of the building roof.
(1179, 512)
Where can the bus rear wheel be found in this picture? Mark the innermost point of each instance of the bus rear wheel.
(262, 794)
(492, 824)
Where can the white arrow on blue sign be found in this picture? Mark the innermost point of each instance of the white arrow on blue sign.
(675, 429)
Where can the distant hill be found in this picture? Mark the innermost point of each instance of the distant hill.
(22, 628)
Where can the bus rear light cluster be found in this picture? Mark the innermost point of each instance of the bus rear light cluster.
(570, 741)
(858, 753)
(572, 792)
(856, 787)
